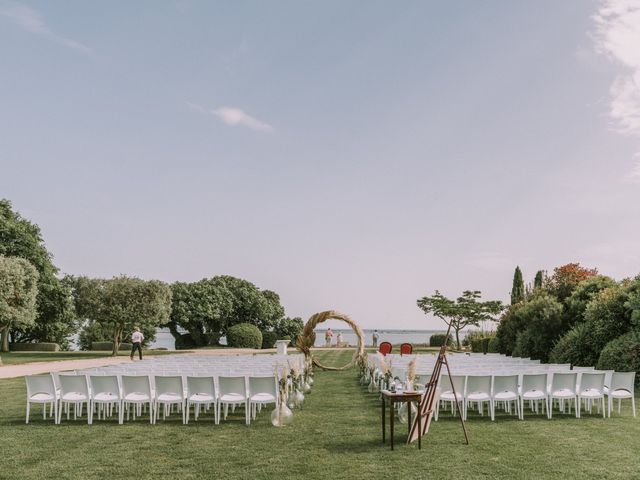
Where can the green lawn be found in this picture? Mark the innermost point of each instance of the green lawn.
(14, 358)
(336, 436)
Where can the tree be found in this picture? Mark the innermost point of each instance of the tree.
(585, 291)
(566, 278)
(123, 302)
(517, 290)
(289, 327)
(465, 311)
(54, 319)
(18, 292)
(542, 320)
(538, 280)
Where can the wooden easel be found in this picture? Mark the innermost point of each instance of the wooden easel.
(431, 397)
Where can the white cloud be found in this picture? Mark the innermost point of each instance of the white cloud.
(618, 37)
(31, 20)
(233, 116)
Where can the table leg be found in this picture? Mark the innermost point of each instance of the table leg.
(419, 429)
(383, 420)
(409, 405)
(391, 420)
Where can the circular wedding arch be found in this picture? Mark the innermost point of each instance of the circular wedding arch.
(307, 338)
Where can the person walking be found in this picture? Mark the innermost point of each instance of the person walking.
(328, 335)
(376, 337)
(339, 342)
(136, 342)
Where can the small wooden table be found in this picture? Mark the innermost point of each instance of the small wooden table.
(392, 398)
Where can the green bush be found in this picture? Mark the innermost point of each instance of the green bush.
(493, 345)
(184, 342)
(573, 347)
(470, 335)
(108, 346)
(269, 339)
(622, 354)
(289, 328)
(244, 335)
(35, 347)
(481, 345)
(437, 339)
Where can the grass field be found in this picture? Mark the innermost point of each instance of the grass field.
(336, 436)
(15, 358)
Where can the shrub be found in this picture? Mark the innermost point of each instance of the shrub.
(108, 346)
(586, 291)
(437, 339)
(511, 323)
(481, 344)
(269, 339)
(622, 354)
(573, 347)
(470, 335)
(35, 347)
(493, 345)
(184, 342)
(244, 335)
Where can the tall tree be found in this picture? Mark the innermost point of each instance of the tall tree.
(123, 302)
(566, 278)
(517, 290)
(463, 312)
(538, 281)
(18, 291)
(54, 319)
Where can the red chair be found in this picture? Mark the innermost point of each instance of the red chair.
(385, 348)
(406, 349)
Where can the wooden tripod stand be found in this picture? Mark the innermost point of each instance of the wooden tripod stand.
(431, 397)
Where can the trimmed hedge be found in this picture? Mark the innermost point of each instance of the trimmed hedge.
(437, 339)
(483, 344)
(108, 346)
(269, 339)
(35, 347)
(622, 354)
(244, 335)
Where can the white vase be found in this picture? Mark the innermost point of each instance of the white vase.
(281, 416)
(298, 398)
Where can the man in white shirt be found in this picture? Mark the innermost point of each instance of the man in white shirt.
(136, 342)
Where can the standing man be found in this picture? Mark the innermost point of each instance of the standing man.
(136, 342)
(375, 338)
(327, 337)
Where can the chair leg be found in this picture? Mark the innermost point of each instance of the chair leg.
(28, 408)
(633, 406)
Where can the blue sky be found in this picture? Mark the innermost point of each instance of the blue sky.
(348, 155)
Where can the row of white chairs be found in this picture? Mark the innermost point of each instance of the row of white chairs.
(541, 390)
(134, 394)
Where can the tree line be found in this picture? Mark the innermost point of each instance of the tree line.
(37, 305)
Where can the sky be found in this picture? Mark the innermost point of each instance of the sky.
(348, 155)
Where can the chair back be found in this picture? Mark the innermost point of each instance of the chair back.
(505, 383)
(74, 384)
(136, 384)
(236, 385)
(40, 384)
(385, 348)
(169, 385)
(564, 381)
(623, 381)
(535, 382)
(478, 384)
(263, 385)
(201, 385)
(104, 384)
(592, 381)
(406, 349)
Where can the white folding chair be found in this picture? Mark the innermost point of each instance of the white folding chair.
(446, 392)
(534, 389)
(563, 389)
(105, 394)
(74, 390)
(505, 391)
(169, 391)
(262, 391)
(591, 389)
(622, 386)
(233, 391)
(201, 391)
(478, 390)
(136, 392)
(41, 389)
